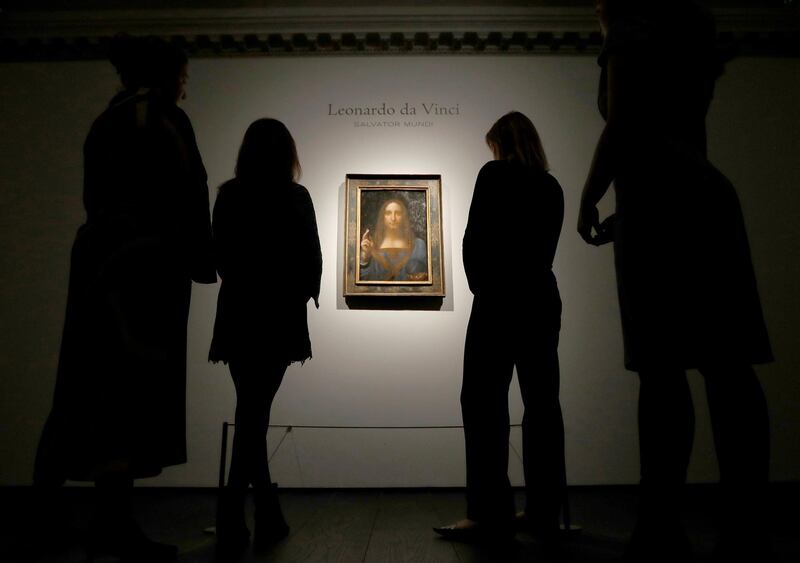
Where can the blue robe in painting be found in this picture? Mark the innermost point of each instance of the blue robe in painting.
(397, 264)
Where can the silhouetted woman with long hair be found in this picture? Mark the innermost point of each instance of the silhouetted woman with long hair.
(687, 290)
(269, 260)
(119, 410)
(515, 322)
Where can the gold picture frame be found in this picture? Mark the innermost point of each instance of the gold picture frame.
(393, 235)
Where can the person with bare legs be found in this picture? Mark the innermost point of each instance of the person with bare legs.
(269, 259)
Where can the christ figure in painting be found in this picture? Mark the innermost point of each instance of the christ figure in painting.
(395, 253)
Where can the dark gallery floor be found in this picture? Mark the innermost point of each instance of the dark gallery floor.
(378, 525)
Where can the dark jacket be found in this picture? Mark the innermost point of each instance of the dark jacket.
(512, 232)
(269, 259)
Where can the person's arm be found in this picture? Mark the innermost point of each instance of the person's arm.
(221, 236)
(202, 268)
(314, 257)
(621, 111)
(476, 251)
(553, 221)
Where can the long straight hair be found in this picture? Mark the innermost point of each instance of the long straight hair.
(513, 137)
(268, 153)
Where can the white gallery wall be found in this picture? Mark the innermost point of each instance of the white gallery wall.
(375, 369)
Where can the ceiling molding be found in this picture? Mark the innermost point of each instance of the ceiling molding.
(76, 35)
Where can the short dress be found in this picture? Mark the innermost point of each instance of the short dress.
(687, 290)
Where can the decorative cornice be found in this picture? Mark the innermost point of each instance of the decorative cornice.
(388, 30)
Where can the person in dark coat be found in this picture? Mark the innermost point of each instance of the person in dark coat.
(515, 322)
(119, 409)
(687, 290)
(268, 257)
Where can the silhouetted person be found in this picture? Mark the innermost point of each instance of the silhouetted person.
(269, 260)
(514, 223)
(119, 407)
(687, 290)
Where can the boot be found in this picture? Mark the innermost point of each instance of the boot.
(233, 536)
(270, 524)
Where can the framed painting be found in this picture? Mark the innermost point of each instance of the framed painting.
(393, 236)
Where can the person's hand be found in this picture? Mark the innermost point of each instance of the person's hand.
(588, 219)
(366, 247)
(605, 232)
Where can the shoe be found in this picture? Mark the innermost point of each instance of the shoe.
(271, 527)
(468, 531)
(233, 536)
